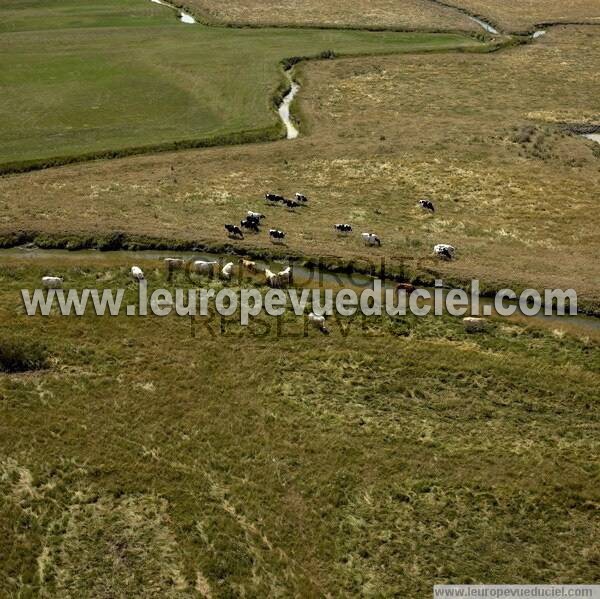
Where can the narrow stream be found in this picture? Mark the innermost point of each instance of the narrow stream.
(183, 17)
(485, 25)
(304, 278)
(284, 109)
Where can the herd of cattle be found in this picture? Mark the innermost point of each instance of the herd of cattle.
(253, 220)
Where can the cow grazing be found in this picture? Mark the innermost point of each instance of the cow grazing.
(234, 231)
(427, 205)
(286, 276)
(174, 264)
(300, 197)
(280, 279)
(137, 273)
(271, 277)
(250, 224)
(318, 322)
(257, 216)
(227, 270)
(273, 197)
(276, 236)
(343, 229)
(202, 267)
(290, 203)
(371, 239)
(249, 266)
(52, 282)
(444, 251)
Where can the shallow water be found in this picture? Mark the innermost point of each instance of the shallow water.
(284, 110)
(539, 33)
(485, 25)
(183, 17)
(304, 277)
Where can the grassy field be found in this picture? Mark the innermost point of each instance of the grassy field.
(120, 76)
(405, 14)
(141, 461)
(513, 191)
(523, 15)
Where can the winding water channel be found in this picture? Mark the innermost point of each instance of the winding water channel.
(485, 25)
(284, 109)
(303, 277)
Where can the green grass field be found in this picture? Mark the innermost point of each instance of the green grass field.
(121, 75)
(145, 462)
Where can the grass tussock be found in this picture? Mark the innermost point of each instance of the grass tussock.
(18, 355)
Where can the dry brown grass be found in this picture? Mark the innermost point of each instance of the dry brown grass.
(523, 15)
(406, 14)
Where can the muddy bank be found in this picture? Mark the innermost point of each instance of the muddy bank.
(403, 269)
(305, 275)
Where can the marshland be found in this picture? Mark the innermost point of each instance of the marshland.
(178, 457)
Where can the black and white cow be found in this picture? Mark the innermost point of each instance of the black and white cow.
(343, 229)
(273, 197)
(250, 224)
(290, 203)
(427, 205)
(444, 251)
(257, 216)
(234, 231)
(300, 197)
(276, 235)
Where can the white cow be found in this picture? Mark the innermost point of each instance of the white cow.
(285, 276)
(250, 266)
(227, 270)
(371, 239)
(255, 215)
(52, 282)
(318, 322)
(280, 279)
(444, 251)
(272, 278)
(137, 273)
(202, 267)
